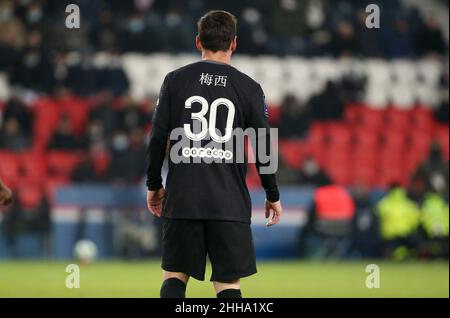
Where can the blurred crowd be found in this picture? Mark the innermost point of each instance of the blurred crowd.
(117, 128)
(32, 32)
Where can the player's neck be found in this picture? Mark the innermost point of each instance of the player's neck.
(220, 56)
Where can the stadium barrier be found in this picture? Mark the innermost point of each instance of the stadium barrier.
(103, 213)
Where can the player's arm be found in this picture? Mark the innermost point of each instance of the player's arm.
(5, 194)
(157, 150)
(256, 119)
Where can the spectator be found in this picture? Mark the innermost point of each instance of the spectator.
(64, 138)
(35, 70)
(134, 36)
(95, 135)
(367, 41)
(9, 54)
(330, 220)
(12, 137)
(365, 233)
(289, 18)
(435, 171)
(104, 35)
(327, 105)
(417, 188)
(131, 116)
(397, 39)
(85, 172)
(311, 174)
(343, 43)
(29, 214)
(17, 110)
(295, 118)
(442, 112)
(34, 16)
(104, 113)
(128, 157)
(429, 39)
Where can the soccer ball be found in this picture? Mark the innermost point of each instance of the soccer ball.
(85, 251)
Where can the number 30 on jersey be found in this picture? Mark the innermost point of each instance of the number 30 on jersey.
(200, 116)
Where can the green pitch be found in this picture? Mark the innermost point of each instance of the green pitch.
(275, 279)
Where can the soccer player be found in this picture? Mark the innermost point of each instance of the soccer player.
(206, 208)
(5, 194)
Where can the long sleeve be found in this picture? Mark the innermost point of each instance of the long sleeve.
(158, 138)
(257, 118)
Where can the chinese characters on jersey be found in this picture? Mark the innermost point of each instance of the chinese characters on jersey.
(216, 80)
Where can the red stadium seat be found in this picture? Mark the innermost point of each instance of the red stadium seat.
(389, 175)
(366, 140)
(398, 120)
(274, 115)
(412, 162)
(371, 119)
(394, 140)
(392, 158)
(318, 133)
(30, 196)
(61, 163)
(422, 119)
(363, 175)
(9, 167)
(291, 153)
(317, 141)
(337, 154)
(77, 111)
(419, 144)
(34, 166)
(340, 170)
(101, 163)
(47, 114)
(351, 114)
(339, 135)
(362, 116)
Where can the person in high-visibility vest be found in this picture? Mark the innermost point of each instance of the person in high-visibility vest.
(434, 218)
(399, 221)
(435, 224)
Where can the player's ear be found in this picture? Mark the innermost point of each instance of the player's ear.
(198, 43)
(234, 44)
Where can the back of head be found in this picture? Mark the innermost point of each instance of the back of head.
(216, 30)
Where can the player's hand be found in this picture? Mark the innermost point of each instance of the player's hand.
(276, 209)
(5, 195)
(155, 201)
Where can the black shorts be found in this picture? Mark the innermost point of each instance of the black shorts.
(229, 246)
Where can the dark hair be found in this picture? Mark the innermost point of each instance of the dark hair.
(216, 30)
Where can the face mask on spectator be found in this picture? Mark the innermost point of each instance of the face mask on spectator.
(136, 25)
(34, 15)
(120, 142)
(6, 14)
(310, 167)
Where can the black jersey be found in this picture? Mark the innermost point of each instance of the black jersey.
(205, 101)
